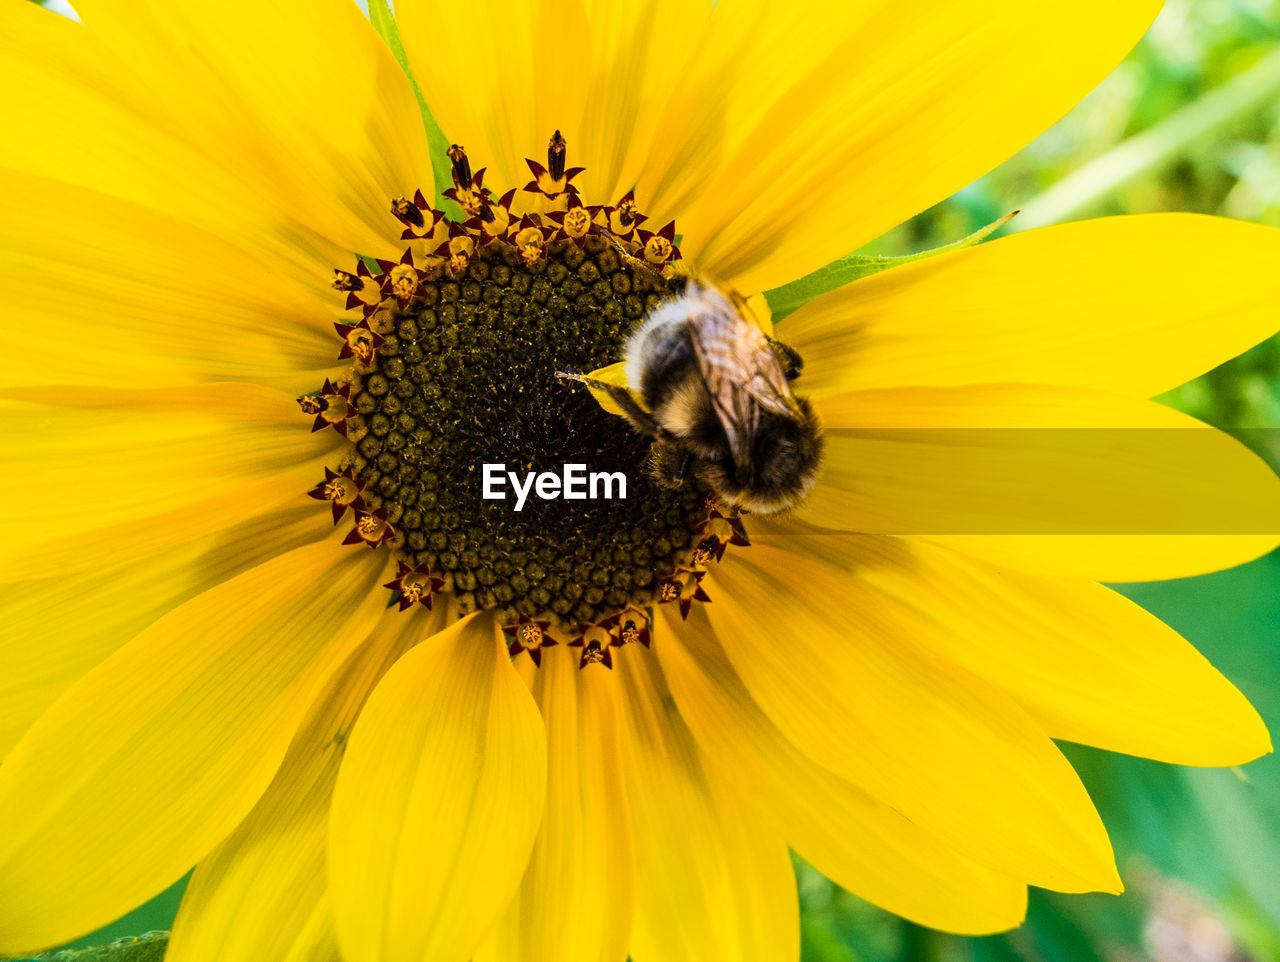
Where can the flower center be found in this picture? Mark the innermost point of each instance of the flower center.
(454, 368)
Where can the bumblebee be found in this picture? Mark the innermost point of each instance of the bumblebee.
(717, 401)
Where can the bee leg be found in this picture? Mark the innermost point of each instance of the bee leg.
(657, 278)
(789, 359)
(668, 463)
(641, 419)
(681, 471)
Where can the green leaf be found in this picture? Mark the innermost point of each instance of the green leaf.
(1058, 936)
(1223, 826)
(852, 267)
(384, 22)
(149, 947)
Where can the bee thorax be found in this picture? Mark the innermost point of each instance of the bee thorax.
(720, 400)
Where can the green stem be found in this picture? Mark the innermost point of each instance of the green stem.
(853, 267)
(149, 947)
(1155, 147)
(384, 22)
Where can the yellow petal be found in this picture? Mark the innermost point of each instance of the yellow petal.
(262, 892)
(154, 756)
(61, 627)
(1088, 664)
(1110, 558)
(317, 941)
(1134, 305)
(1005, 407)
(759, 312)
(638, 56)
(1053, 479)
(574, 904)
(289, 142)
(742, 66)
(599, 72)
(934, 741)
(132, 296)
(104, 548)
(437, 803)
(712, 880)
(860, 843)
(106, 463)
(840, 123)
(328, 104)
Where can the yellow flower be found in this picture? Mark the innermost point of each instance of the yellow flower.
(197, 671)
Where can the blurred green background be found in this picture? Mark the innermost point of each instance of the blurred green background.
(1190, 121)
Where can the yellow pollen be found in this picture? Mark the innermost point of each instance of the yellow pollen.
(670, 591)
(464, 245)
(404, 281)
(361, 342)
(405, 208)
(346, 281)
(530, 636)
(501, 221)
(577, 222)
(471, 202)
(529, 244)
(657, 250)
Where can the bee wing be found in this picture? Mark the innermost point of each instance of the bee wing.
(742, 375)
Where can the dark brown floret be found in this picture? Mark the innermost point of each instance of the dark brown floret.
(466, 376)
(455, 366)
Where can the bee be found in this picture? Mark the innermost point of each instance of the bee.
(717, 401)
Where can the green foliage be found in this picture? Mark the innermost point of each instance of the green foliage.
(384, 23)
(853, 267)
(157, 914)
(148, 947)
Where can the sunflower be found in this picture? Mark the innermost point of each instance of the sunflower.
(412, 723)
